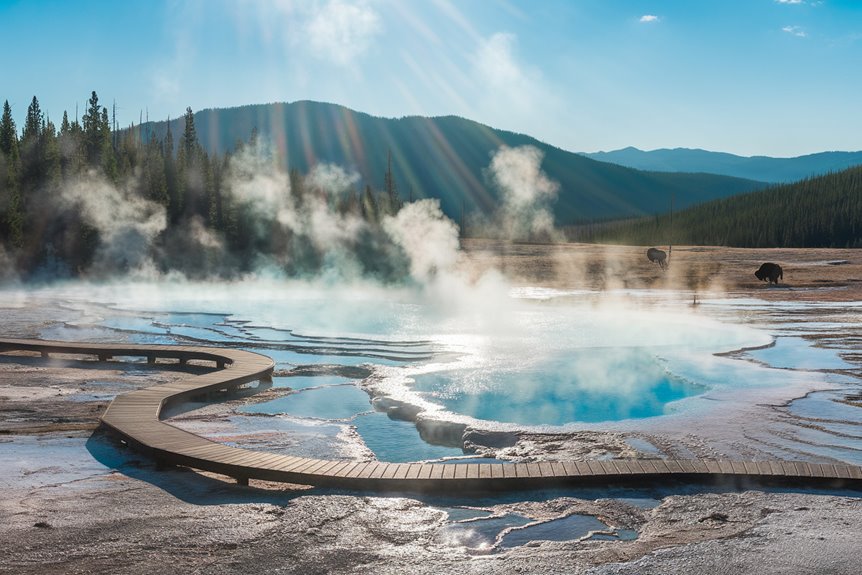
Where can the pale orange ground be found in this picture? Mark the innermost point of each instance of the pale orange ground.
(809, 274)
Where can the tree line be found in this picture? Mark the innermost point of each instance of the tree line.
(41, 230)
(823, 211)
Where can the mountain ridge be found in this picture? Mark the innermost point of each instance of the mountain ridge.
(761, 168)
(445, 157)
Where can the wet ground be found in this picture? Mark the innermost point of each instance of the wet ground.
(75, 500)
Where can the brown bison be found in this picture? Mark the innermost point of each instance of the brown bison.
(658, 256)
(769, 272)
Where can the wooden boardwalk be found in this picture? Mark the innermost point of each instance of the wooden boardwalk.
(136, 417)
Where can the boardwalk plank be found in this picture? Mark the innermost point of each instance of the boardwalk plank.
(437, 471)
(497, 470)
(413, 471)
(356, 471)
(425, 471)
(341, 469)
(843, 471)
(403, 469)
(379, 470)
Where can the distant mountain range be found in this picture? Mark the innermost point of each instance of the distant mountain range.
(446, 158)
(762, 168)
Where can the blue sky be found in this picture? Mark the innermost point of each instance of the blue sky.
(771, 77)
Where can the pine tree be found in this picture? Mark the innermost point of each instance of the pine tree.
(11, 195)
(190, 137)
(368, 205)
(391, 188)
(8, 133)
(33, 123)
(65, 127)
(92, 127)
(106, 148)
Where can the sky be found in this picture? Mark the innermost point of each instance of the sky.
(750, 77)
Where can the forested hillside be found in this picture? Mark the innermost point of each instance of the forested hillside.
(86, 199)
(818, 212)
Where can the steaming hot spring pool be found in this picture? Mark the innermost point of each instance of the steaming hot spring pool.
(387, 372)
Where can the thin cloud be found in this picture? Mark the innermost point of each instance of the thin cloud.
(507, 91)
(796, 31)
(341, 31)
(790, 1)
(495, 60)
(646, 18)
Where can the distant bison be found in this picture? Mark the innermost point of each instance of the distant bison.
(658, 256)
(769, 272)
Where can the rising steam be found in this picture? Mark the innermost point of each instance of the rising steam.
(526, 192)
(428, 238)
(127, 224)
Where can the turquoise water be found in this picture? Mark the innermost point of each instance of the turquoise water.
(587, 385)
(306, 381)
(564, 529)
(398, 441)
(479, 534)
(799, 353)
(329, 402)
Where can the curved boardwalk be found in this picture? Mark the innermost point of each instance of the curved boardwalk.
(135, 416)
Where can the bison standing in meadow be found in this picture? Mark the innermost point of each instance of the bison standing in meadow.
(769, 272)
(658, 256)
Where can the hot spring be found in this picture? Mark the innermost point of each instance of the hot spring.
(357, 367)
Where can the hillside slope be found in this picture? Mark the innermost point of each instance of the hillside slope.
(819, 212)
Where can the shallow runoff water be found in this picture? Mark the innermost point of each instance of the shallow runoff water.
(526, 359)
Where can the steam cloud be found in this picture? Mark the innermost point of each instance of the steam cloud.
(311, 219)
(527, 193)
(127, 224)
(427, 236)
